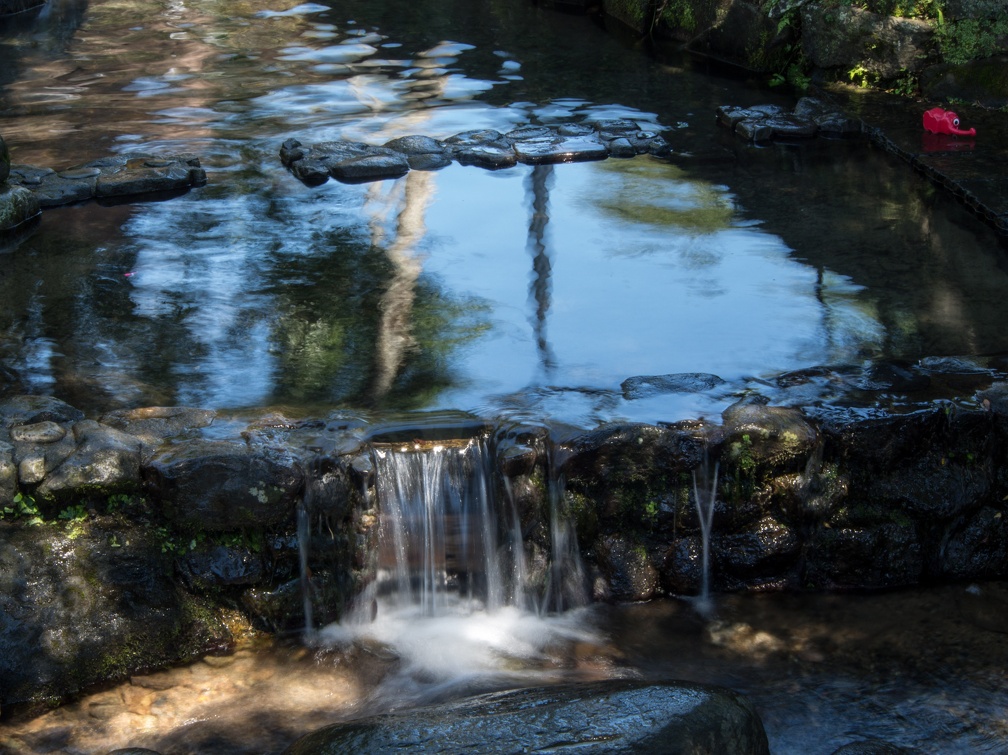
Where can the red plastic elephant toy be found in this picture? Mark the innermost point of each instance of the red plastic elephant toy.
(939, 121)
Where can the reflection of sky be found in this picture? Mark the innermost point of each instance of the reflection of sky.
(626, 298)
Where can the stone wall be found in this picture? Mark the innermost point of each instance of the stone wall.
(149, 536)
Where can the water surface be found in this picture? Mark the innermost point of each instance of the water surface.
(529, 292)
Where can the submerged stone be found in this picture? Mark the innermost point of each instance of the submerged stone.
(645, 386)
(599, 717)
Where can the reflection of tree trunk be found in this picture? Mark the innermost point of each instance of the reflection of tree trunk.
(395, 336)
(538, 184)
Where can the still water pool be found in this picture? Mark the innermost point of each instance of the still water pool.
(526, 292)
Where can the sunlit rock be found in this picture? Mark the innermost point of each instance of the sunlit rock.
(85, 605)
(104, 458)
(154, 425)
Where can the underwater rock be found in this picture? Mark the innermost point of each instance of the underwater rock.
(600, 717)
(645, 386)
(810, 117)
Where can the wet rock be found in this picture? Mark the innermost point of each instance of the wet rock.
(330, 489)
(4, 161)
(416, 145)
(605, 717)
(888, 376)
(484, 148)
(369, 168)
(622, 147)
(554, 148)
(979, 549)
(485, 156)
(8, 474)
(221, 566)
(422, 152)
(111, 177)
(149, 174)
(810, 117)
(39, 432)
(478, 138)
(645, 386)
(768, 548)
(682, 567)
(875, 747)
(18, 207)
(883, 555)
(36, 461)
(774, 436)
(340, 159)
(627, 569)
(220, 486)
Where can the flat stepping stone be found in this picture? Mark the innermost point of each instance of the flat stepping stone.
(486, 156)
(370, 168)
(554, 148)
(123, 175)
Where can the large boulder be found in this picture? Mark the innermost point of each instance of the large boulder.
(91, 602)
(221, 486)
(601, 717)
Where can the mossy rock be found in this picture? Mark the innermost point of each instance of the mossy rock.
(18, 207)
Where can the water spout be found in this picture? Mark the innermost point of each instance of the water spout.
(704, 502)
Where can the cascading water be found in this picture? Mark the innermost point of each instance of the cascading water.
(455, 598)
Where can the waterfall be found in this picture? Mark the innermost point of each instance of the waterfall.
(442, 538)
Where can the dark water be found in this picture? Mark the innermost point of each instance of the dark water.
(444, 290)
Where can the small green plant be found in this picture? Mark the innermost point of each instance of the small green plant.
(173, 542)
(905, 85)
(862, 77)
(23, 506)
(74, 513)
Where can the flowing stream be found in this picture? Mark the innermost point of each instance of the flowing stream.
(527, 293)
